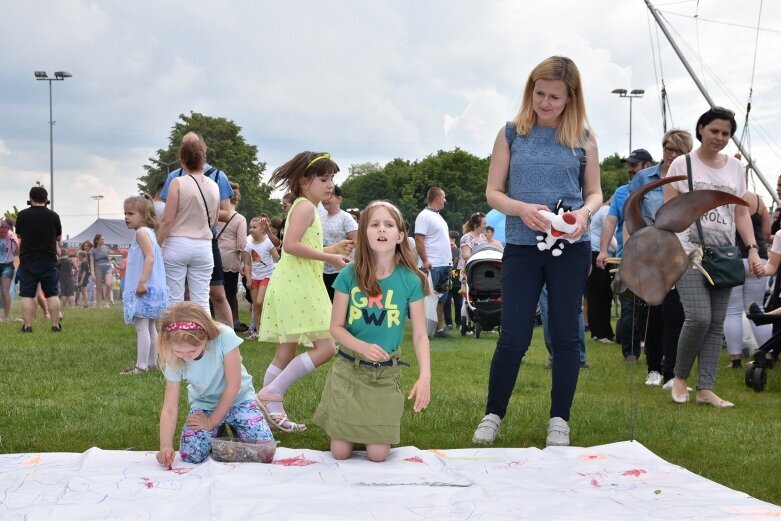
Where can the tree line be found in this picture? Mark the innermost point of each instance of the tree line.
(460, 173)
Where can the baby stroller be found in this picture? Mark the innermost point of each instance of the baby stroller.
(482, 307)
(766, 355)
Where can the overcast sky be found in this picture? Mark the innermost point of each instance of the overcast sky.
(364, 80)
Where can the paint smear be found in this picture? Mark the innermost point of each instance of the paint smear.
(634, 472)
(593, 457)
(179, 470)
(147, 482)
(595, 483)
(298, 461)
(32, 462)
(414, 459)
(438, 452)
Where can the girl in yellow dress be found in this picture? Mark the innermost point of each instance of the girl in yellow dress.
(297, 308)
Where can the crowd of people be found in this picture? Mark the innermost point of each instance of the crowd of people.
(319, 275)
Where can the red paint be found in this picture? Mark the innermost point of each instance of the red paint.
(298, 461)
(634, 472)
(414, 459)
(595, 483)
(148, 482)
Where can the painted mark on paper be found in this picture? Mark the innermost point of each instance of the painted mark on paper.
(297, 461)
(634, 472)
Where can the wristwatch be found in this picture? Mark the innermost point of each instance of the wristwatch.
(752, 246)
(590, 213)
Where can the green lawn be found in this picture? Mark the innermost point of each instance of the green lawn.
(63, 392)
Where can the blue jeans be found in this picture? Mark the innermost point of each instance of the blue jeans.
(546, 333)
(525, 270)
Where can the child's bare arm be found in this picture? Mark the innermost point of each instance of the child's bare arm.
(422, 388)
(232, 364)
(168, 415)
(299, 219)
(771, 268)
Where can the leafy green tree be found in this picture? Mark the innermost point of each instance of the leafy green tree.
(613, 174)
(226, 150)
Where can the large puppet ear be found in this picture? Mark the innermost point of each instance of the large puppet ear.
(633, 215)
(677, 214)
(652, 262)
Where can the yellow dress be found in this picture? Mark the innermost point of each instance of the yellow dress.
(296, 307)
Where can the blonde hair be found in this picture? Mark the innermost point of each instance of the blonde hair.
(183, 312)
(143, 205)
(572, 129)
(364, 265)
(679, 139)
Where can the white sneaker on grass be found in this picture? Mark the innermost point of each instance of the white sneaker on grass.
(654, 378)
(487, 430)
(558, 433)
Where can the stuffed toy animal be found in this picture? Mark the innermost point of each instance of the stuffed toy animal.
(561, 223)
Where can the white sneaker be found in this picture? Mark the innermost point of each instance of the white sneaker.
(668, 386)
(558, 433)
(654, 378)
(488, 430)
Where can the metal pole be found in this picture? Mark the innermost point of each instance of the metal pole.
(630, 124)
(51, 149)
(98, 208)
(770, 189)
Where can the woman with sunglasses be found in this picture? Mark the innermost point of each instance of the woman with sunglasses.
(705, 306)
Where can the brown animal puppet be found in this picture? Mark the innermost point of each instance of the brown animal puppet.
(653, 258)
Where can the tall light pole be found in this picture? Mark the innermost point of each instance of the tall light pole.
(97, 198)
(58, 76)
(635, 93)
(167, 165)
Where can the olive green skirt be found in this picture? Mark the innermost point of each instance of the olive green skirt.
(361, 404)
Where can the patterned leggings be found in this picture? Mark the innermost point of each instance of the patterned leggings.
(246, 420)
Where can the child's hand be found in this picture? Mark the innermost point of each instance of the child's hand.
(372, 353)
(166, 456)
(199, 421)
(422, 393)
(344, 247)
(141, 288)
(339, 261)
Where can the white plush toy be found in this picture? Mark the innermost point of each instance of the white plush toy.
(560, 223)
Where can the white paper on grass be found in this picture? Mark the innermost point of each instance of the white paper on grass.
(610, 482)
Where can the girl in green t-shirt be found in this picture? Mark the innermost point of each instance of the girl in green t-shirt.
(362, 401)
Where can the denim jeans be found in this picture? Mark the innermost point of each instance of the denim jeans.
(525, 270)
(546, 333)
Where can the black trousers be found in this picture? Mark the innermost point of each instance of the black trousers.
(600, 299)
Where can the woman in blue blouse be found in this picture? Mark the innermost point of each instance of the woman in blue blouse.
(544, 155)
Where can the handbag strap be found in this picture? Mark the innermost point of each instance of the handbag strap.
(691, 189)
(226, 224)
(208, 218)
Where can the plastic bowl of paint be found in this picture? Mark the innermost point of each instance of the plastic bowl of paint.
(239, 450)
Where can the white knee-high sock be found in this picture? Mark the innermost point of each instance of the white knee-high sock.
(271, 374)
(298, 368)
(142, 342)
(151, 359)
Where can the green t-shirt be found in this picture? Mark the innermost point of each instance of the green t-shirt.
(380, 319)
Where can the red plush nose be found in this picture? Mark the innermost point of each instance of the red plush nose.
(569, 218)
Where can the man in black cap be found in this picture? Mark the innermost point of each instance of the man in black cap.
(614, 223)
(40, 231)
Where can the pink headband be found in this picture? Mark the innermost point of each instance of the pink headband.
(182, 326)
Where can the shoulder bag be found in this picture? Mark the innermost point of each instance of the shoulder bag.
(723, 263)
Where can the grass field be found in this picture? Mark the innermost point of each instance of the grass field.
(63, 393)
